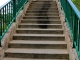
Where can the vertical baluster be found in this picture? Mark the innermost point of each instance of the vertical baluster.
(5, 18)
(79, 40)
(0, 26)
(3, 21)
(0, 23)
(7, 12)
(11, 11)
(14, 8)
(75, 29)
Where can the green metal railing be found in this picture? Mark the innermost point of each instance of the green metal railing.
(72, 17)
(8, 13)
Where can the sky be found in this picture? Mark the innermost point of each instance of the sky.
(3, 2)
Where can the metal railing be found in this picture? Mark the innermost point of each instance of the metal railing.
(72, 17)
(8, 13)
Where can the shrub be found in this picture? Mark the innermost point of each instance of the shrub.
(77, 3)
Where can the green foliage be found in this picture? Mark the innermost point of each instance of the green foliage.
(77, 3)
(5, 20)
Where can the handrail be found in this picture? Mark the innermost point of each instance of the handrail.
(8, 13)
(72, 18)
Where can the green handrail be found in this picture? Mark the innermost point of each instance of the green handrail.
(8, 13)
(72, 18)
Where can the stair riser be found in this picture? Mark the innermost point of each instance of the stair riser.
(37, 56)
(39, 5)
(41, 26)
(38, 8)
(37, 17)
(42, 12)
(39, 46)
(41, 38)
(52, 3)
(43, 2)
(35, 22)
(36, 14)
(39, 32)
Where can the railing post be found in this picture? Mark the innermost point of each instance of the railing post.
(14, 9)
(0, 27)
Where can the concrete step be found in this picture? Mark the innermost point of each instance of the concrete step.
(46, 8)
(36, 21)
(41, 17)
(30, 59)
(38, 31)
(38, 44)
(43, 2)
(41, 5)
(42, 10)
(45, 11)
(42, 26)
(43, 14)
(52, 37)
(37, 53)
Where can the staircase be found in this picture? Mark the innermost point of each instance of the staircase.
(40, 35)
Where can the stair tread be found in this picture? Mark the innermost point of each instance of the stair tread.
(30, 59)
(37, 29)
(41, 16)
(37, 51)
(38, 20)
(42, 10)
(36, 42)
(47, 35)
(43, 13)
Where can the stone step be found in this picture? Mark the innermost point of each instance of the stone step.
(41, 5)
(42, 26)
(43, 2)
(43, 14)
(38, 44)
(41, 17)
(53, 37)
(37, 53)
(38, 31)
(30, 59)
(40, 12)
(36, 21)
(46, 8)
